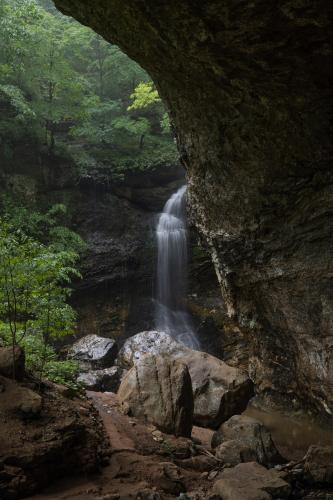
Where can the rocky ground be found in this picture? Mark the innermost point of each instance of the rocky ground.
(148, 464)
(156, 451)
(45, 432)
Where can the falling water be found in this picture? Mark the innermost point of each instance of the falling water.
(171, 315)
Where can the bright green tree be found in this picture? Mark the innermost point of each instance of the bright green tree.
(34, 281)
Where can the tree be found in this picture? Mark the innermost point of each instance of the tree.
(34, 280)
(65, 89)
(144, 95)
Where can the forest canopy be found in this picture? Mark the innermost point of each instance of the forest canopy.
(69, 92)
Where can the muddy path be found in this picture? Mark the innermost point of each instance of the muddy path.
(144, 462)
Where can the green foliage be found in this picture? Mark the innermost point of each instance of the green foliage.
(17, 100)
(49, 227)
(34, 280)
(43, 358)
(144, 95)
(65, 88)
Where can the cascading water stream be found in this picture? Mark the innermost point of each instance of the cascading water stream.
(171, 315)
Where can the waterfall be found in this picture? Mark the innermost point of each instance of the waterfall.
(171, 315)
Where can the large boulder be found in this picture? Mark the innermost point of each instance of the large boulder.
(318, 464)
(147, 342)
(244, 439)
(94, 351)
(159, 389)
(219, 390)
(102, 380)
(251, 481)
(12, 362)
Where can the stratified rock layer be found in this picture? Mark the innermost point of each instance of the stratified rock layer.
(249, 90)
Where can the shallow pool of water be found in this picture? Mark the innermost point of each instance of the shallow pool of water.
(292, 436)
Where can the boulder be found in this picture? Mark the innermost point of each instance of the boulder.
(18, 399)
(169, 478)
(94, 351)
(219, 390)
(318, 464)
(12, 363)
(251, 481)
(147, 342)
(107, 379)
(159, 389)
(244, 439)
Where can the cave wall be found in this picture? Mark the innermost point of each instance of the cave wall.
(249, 89)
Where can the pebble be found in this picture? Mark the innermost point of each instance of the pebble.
(212, 475)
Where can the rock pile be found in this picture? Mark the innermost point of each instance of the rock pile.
(219, 390)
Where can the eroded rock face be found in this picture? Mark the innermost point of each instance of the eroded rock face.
(219, 390)
(249, 90)
(160, 390)
(244, 439)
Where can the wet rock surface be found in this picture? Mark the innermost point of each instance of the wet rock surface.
(251, 481)
(219, 390)
(159, 390)
(117, 220)
(244, 439)
(102, 380)
(147, 342)
(93, 351)
(318, 464)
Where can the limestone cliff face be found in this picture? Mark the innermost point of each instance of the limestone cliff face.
(249, 90)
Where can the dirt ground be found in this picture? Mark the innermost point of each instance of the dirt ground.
(144, 462)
